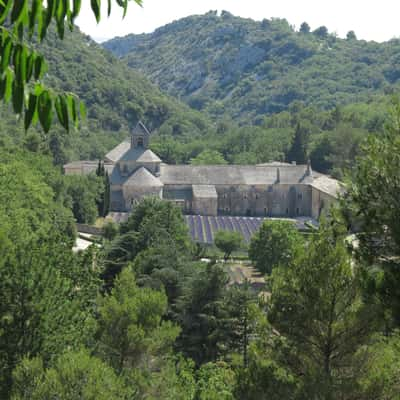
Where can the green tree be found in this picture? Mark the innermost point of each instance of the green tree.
(131, 330)
(153, 223)
(208, 157)
(305, 28)
(372, 206)
(201, 315)
(243, 313)
(23, 68)
(380, 364)
(75, 375)
(274, 244)
(317, 305)
(84, 195)
(321, 32)
(175, 381)
(215, 382)
(228, 242)
(154, 219)
(162, 266)
(106, 196)
(110, 230)
(41, 310)
(265, 378)
(103, 202)
(298, 149)
(351, 35)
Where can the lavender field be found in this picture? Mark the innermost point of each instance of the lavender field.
(203, 228)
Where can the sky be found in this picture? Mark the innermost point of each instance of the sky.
(370, 19)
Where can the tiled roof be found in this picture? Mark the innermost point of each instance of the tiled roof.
(327, 185)
(233, 174)
(117, 152)
(143, 178)
(139, 154)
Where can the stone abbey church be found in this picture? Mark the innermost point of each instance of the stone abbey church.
(266, 190)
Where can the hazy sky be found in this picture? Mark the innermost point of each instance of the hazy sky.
(370, 19)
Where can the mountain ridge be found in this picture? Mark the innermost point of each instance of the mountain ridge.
(243, 69)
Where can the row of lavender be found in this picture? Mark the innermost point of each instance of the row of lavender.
(203, 228)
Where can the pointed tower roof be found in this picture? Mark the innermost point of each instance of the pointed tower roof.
(140, 129)
(143, 178)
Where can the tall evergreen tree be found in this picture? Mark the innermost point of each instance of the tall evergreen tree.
(317, 305)
(372, 205)
(106, 194)
(298, 149)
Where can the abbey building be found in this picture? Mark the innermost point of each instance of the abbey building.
(265, 190)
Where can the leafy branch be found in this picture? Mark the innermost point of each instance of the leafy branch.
(22, 68)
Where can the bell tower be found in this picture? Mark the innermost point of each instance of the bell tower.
(140, 136)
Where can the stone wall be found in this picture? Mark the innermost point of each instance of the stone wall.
(127, 168)
(205, 206)
(133, 194)
(181, 195)
(267, 200)
(321, 202)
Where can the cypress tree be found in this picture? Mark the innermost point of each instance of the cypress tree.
(100, 169)
(106, 195)
(298, 149)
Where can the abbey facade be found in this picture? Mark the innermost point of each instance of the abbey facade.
(265, 190)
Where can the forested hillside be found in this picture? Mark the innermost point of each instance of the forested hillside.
(115, 96)
(243, 69)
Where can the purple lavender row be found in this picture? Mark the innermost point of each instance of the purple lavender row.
(209, 238)
(253, 224)
(190, 222)
(238, 227)
(246, 228)
(214, 224)
(199, 229)
(229, 224)
(242, 228)
(221, 223)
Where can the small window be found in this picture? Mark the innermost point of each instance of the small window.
(257, 196)
(245, 196)
(287, 211)
(300, 196)
(297, 211)
(140, 141)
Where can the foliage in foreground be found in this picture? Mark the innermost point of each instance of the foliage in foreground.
(275, 244)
